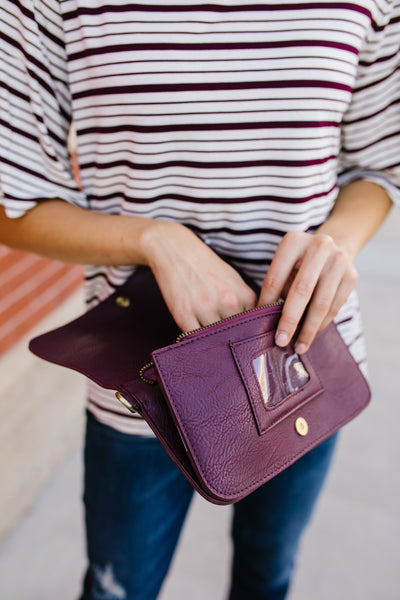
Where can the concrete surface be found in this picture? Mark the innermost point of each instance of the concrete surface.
(41, 419)
(352, 548)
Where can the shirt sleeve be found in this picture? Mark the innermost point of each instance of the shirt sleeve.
(35, 108)
(371, 126)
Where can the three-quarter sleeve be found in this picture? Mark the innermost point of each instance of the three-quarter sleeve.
(35, 108)
(371, 125)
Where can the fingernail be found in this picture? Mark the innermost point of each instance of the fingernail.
(300, 348)
(281, 338)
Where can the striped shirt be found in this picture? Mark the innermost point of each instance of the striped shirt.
(240, 120)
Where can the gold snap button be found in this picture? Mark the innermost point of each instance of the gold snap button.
(122, 301)
(301, 426)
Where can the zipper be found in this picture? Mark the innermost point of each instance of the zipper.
(143, 376)
(185, 334)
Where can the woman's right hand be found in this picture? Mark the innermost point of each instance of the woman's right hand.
(198, 287)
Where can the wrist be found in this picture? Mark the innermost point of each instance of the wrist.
(359, 210)
(152, 240)
(343, 239)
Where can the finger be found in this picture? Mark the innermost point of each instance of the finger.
(233, 297)
(302, 289)
(286, 257)
(320, 307)
(222, 304)
(208, 312)
(249, 300)
(185, 321)
(346, 287)
(233, 308)
(330, 295)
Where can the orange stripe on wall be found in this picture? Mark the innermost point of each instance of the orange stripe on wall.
(30, 288)
(27, 286)
(23, 275)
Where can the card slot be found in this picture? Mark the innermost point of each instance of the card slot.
(277, 380)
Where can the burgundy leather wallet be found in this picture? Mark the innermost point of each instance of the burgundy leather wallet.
(230, 407)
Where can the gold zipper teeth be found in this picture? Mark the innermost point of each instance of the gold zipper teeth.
(143, 376)
(187, 333)
(245, 312)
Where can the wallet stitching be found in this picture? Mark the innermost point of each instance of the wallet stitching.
(266, 476)
(269, 474)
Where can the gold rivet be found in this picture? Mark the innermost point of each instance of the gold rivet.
(301, 426)
(122, 301)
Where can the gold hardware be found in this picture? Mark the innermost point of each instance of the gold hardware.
(240, 314)
(184, 334)
(301, 426)
(143, 376)
(122, 301)
(125, 402)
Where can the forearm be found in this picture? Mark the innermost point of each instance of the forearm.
(65, 232)
(360, 209)
(197, 285)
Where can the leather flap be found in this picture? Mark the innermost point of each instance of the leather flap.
(111, 342)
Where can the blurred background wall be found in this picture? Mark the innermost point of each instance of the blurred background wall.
(38, 423)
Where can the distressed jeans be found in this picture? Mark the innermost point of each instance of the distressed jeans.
(136, 501)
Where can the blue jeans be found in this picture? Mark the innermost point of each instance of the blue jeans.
(136, 501)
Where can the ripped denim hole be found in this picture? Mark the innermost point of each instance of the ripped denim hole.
(106, 586)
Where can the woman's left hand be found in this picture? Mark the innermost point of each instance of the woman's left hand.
(315, 276)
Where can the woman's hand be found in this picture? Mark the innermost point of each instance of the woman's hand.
(198, 287)
(315, 273)
(316, 277)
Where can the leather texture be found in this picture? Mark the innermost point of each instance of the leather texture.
(227, 402)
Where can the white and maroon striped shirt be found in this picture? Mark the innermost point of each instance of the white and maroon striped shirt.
(237, 119)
